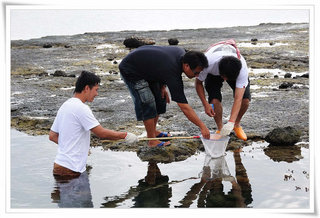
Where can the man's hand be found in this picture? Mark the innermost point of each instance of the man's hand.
(209, 110)
(227, 128)
(53, 136)
(131, 138)
(205, 132)
(165, 94)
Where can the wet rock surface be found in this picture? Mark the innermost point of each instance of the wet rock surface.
(283, 136)
(36, 94)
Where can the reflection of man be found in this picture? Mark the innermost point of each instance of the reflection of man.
(209, 190)
(74, 193)
(242, 178)
(152, 191)
(155, 191)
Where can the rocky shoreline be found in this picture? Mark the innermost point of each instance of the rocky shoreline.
(43, 74)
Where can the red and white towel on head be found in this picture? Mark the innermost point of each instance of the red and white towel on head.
(227, 42)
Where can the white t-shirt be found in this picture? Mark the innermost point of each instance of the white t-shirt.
(214, 55)
(73, 123)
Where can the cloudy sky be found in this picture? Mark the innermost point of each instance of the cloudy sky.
(34, 22)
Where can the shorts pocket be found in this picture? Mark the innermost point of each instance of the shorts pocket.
(144, 91)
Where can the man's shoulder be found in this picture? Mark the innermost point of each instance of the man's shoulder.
(75, 104)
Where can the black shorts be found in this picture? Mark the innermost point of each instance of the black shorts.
(147, 99)
(213, 86)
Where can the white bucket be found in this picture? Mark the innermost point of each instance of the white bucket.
(215, 147)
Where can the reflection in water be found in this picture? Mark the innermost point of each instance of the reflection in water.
(73, 193)
(152, 191)
(277, 185)
(209, 190)
(284, 153)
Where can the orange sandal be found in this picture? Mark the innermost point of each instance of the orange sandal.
(240, 133)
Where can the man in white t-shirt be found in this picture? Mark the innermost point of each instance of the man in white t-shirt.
(72, 125)
(225, 64)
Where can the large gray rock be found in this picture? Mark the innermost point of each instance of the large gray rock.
(135, 42)
(283, 136)
(173, 41)
(177, 151)
(58, 73)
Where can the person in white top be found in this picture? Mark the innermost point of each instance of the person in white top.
(225, 64)
(72, 125)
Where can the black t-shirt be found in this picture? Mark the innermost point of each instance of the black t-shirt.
(156, 63)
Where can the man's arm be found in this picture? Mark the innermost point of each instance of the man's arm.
(200, 91)
(107, 133)
(53, 136)
(236, 104)
(192, 116)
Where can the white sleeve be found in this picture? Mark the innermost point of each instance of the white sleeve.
(203, 75)
(55, 125)
(87, 119)
(242, 80)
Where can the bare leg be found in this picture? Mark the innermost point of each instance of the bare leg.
(243, 109)
(155, 125)
(157, 132)
(151, 133)
(218, 111)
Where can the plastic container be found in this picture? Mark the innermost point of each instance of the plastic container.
(216, 146)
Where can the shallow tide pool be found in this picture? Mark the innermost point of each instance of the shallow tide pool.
(252, 177)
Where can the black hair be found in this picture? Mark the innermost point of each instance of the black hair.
(230, 66)
(86, 78)
(195, 59)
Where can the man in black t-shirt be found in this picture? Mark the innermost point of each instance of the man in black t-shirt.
(147, 71)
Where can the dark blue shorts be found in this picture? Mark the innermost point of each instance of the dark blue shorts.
(147, 99)
(213, 85)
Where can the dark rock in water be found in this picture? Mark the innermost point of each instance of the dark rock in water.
(276, 76)
(110, 58)
(43, 74)
(272, 43)
(283, 153)
(115, 62)
(287, 75)
(67, 46)
(254, 40)
(58, 73)
(283, 136)
(173, 41)
(285, 85)
(172, 153)
(306, 75)
(135, 42)
(47, 45)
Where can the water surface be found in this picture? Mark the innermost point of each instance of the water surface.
(253, 177)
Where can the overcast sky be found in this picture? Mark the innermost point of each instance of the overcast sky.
(26, 23)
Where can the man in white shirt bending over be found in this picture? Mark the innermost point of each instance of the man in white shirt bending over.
(225, 63)
(72, 125)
